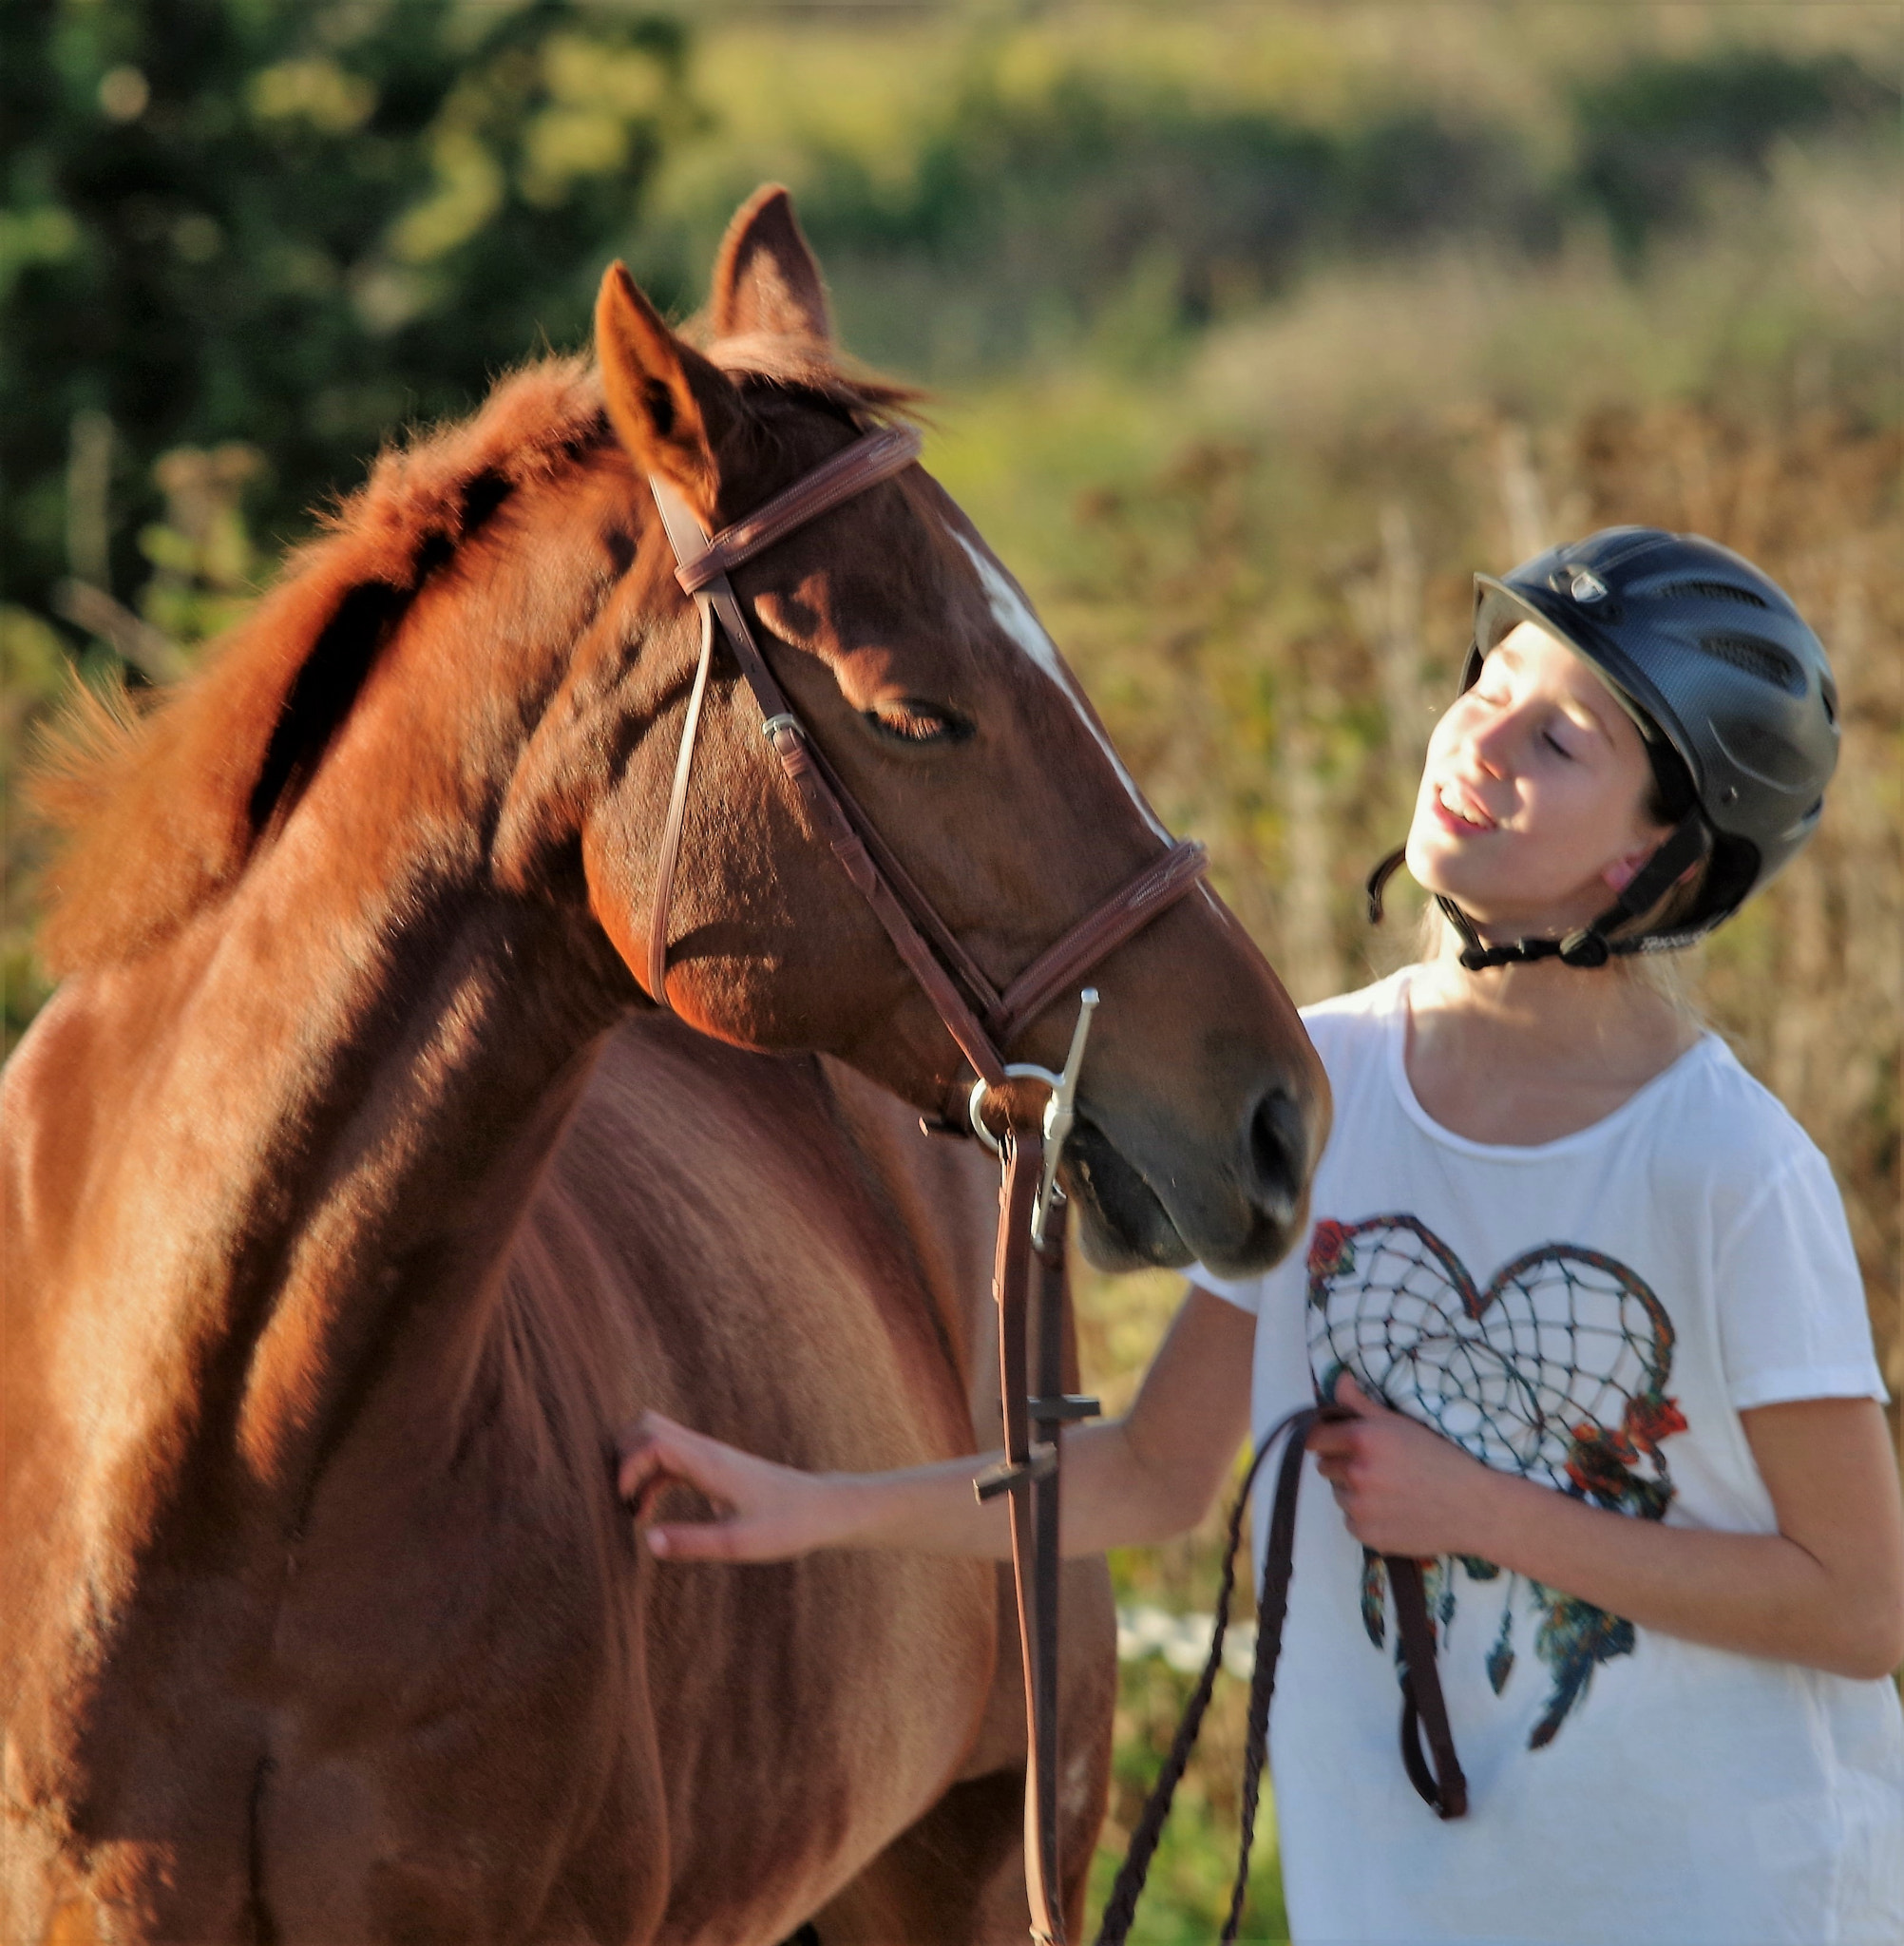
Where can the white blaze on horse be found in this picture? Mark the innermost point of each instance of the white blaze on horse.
(357, 1193)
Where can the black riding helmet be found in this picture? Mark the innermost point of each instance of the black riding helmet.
(1730, 690)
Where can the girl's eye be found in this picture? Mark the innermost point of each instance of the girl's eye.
(913, 720)
(1553, 743)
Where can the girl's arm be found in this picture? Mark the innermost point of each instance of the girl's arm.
(1126, 1482)
(1826, 1591)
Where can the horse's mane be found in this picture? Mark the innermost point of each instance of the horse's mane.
(156, 803)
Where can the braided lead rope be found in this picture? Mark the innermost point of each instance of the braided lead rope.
(1120, 1909)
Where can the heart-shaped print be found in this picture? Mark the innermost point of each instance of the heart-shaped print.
(1556, 1369)
(1552, 1371)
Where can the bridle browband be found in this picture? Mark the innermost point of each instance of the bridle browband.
(983, 1019)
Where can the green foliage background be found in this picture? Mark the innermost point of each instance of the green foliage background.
(1255, 331)
(296, 226)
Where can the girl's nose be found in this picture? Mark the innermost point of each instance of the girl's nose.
(1490, 740)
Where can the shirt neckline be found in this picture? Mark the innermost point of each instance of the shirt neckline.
(1397, 1031)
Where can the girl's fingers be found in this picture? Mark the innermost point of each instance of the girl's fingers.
(642, 1501)
(755, 1520)
(731, 1539)
(1351, 1395)
(703, 1541)
(1335, 1440)
(638, 1451)
(656, 1452)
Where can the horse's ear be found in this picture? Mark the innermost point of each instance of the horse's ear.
(766, 278)
(670, 408)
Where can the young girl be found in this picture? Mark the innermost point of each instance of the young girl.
(1589, 1293)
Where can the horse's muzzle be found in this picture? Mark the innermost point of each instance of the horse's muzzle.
(1240, 1219)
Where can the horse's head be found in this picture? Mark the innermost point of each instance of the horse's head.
(922, 674)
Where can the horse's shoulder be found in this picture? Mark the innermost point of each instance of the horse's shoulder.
(695, 1173)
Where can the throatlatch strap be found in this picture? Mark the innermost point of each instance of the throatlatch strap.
(1689, 842)
(669, 857)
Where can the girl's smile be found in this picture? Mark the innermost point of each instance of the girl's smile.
(1458, 809)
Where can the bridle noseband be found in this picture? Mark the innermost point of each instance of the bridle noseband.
(983, 1019)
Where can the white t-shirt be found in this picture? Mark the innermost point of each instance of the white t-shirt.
(1593, 1313)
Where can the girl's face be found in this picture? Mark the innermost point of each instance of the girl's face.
(1531, 813)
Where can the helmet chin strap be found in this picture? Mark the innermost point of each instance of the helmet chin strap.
(1688, 844)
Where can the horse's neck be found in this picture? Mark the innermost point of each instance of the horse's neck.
(423, 1141)
(315, 1118)
(941, 1200)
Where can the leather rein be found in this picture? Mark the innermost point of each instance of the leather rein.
(983, 1018)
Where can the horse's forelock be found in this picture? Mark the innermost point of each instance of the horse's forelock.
(156, 810)
(801, 365)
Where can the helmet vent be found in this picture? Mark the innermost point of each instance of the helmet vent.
(1756, 659)
(1713, 591)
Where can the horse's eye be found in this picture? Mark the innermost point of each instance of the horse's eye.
(911, 720)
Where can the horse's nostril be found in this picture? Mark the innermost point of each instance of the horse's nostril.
(1279, 1154)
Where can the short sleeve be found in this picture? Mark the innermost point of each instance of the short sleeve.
(1792, 1318)
(1260, 1293)
(1245, 1294)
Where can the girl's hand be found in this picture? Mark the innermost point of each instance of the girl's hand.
(1403, 1488)
(768, 1513)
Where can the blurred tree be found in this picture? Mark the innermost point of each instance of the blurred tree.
(1652, 132)
(292, 225)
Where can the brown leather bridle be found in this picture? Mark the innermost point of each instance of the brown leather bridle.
(983, 1019)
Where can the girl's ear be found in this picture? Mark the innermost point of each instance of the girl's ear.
(671, 408)
(1625, 868)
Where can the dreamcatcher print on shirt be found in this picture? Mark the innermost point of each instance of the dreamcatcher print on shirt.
(1557, 1371)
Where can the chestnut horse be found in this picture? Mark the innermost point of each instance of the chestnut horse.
(357, 1193)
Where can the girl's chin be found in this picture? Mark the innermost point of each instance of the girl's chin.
(1439, 862)
(1447, 868)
